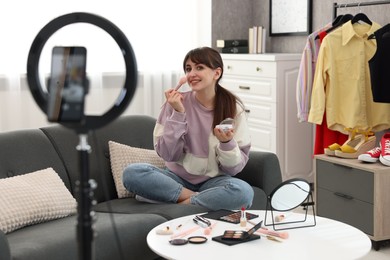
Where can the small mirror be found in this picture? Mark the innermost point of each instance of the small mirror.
(227, 121)
(290, 195)
(287, 196)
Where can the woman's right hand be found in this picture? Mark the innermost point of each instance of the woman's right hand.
(175, 98)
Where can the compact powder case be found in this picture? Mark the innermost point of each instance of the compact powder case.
(197, 240)
(178, 241)
(192, 240)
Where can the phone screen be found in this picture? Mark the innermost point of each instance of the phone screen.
(67, 85)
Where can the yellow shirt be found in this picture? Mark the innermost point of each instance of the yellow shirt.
(342, 83)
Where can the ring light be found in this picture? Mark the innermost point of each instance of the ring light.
(85, 220)
(126, 93)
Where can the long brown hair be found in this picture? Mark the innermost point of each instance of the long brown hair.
(225, 103)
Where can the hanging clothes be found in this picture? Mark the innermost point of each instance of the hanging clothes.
(325, 137)
(342, 85)
(308, 64)
(306, 73)
(380, 66)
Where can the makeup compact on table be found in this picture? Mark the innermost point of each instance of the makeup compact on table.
(328, 239)
(234, 237)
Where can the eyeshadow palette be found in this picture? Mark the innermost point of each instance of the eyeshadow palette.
(228, 215)
(234, 234)
(239, 234)
(234, 237)
(235, 217)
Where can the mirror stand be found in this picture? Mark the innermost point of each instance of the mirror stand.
(283, 225)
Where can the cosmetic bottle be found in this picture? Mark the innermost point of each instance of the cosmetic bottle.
(243, 218)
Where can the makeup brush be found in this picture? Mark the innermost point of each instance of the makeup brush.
(181, 82)
(185, 232)
(208, 230)
(264, 231)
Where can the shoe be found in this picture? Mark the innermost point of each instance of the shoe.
(143, 199)
(357, 146)
(331, 149)
(385, 152)
(371, 156)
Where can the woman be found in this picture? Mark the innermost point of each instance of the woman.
(200, 157)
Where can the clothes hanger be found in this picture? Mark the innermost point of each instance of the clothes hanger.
(371, 36)
(343, 20)
(337, 22)
(386, 34)
(361, 17)
(337, 19)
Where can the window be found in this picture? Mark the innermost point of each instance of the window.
(160, 32)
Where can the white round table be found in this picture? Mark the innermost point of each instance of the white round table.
(329, 239)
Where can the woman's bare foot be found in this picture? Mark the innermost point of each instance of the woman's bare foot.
(187, 201)
(185, 196)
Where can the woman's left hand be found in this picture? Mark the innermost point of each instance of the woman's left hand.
(224, 136)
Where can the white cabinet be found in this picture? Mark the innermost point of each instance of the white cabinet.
(266, 83)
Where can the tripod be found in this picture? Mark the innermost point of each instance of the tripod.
(85, 232)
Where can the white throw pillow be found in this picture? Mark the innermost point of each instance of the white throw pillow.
(122, 155)
(33, 198)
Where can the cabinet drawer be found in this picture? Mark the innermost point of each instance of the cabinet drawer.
(250, 68)
(260, 112)
(345, 180)
(263, 88)
(357, 213)
(263, 138)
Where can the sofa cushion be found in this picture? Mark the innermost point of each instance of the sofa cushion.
(122, 155)
(33, 198)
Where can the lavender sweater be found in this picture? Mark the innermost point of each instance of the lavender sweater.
(187, 144)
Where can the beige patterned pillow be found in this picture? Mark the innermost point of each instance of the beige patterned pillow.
(33, 198)
(122, 155)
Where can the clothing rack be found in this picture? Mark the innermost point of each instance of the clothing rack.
(337, 6)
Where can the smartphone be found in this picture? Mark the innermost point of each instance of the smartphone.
(68, 84)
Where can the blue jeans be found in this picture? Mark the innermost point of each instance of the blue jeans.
(221, 192)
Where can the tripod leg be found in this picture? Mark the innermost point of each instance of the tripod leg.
(86, 186)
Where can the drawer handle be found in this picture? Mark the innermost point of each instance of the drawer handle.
(247, 111)
(344, 196)
(229, 67)
(258, 69)
(244, 87)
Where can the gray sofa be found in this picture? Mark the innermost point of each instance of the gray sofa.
(121, 224)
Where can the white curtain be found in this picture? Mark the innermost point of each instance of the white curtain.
(160, 32)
